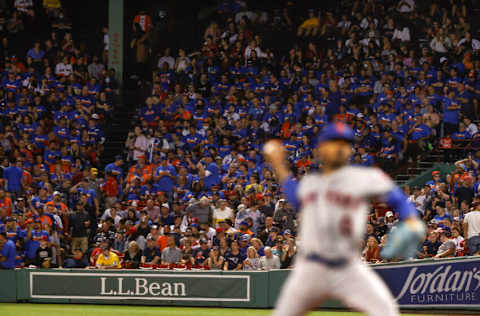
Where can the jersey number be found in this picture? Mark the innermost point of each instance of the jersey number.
(346, 226)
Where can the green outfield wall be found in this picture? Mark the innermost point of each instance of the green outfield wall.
(452, 284)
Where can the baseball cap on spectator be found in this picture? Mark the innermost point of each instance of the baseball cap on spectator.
(203, 241)
(154, 227)
(219, 230)
(166, 205)
(435, 173)
(287, 232)
(45, 238)
(95, 116)
(438, 230)
(245, 237)
(94, 171)
(446, 232)
(389, 214)
(274, 229)
(443, 59)
(149, 237)
(241, 207)
(56, 193)
(244, 223)
(259, 196)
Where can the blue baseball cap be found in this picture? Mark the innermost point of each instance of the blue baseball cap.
(245, 237)
(335, 131)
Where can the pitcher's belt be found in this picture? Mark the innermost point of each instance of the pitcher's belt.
(334, 263)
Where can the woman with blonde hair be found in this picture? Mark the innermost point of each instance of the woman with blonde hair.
(252, 262)
(372, 250)
(133, 256)
(258, 245)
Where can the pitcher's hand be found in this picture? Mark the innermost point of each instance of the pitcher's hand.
(275, 155)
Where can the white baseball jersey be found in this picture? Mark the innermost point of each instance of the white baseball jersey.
(335, 209)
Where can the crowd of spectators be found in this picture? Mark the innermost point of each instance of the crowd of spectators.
(192, 190)
(55, 97)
